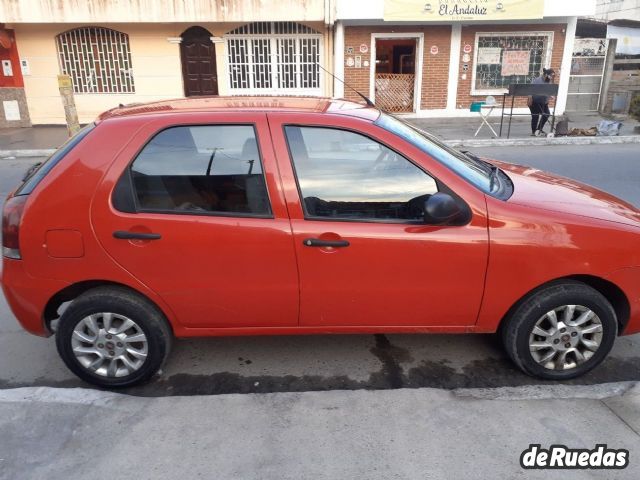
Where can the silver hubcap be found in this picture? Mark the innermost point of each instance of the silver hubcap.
(109, 344)
(565, 337)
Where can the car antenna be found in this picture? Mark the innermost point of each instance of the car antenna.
(366, 99)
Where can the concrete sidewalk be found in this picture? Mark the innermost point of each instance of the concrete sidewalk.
(41, 141)
(465, 128)
(71, 434)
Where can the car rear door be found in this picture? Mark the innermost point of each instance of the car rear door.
(364, 256)
(199, 217)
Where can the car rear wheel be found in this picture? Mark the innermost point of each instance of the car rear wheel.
(561, 331)
(113, 338)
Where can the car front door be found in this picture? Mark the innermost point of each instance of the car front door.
(207, 229)
(365, 256)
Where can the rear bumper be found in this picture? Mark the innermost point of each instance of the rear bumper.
(628, 279)
(27, 296)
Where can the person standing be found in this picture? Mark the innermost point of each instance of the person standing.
(539, 104)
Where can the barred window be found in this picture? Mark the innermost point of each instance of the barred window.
(505, 58)
(274, 57)
(97, 59)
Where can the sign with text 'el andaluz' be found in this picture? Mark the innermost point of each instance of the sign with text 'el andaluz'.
(461, 10)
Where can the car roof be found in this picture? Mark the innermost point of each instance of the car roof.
(245, 104)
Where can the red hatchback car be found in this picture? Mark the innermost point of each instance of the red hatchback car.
(251, 216)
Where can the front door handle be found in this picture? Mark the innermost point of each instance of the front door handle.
(316, 242)
(125, 235)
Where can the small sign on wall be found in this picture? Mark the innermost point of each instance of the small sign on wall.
(11, 110)
(358, 61)
(349, 50)
(24, 67)
(434, 50)
(7, 70)
(489, 55)
(364, 48)
(350, 62)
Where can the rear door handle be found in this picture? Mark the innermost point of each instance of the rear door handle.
(125, 235)
(316, 242)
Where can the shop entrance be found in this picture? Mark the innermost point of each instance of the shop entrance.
(395, 73)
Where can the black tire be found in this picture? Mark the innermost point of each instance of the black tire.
(124, 302)
(518, 326)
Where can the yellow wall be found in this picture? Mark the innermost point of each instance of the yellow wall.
(157, 70)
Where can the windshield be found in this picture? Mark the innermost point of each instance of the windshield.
(470, 168)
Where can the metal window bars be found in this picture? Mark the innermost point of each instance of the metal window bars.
(488, 76)
(272, 57)
(97, 59)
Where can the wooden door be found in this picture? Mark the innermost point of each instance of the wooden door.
(198, 63)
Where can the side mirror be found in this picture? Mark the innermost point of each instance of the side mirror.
(440, 208)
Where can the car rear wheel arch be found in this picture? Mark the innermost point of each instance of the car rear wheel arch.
(614, 295)
(73, 291)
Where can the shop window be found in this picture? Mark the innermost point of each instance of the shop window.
(274, 57)
(505, 58)
(97, 59)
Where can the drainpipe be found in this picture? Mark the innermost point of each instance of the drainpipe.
(338, 58)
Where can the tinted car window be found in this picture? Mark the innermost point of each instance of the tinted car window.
(202, 169)
(469, 167)
(32, 180)
(345, 175)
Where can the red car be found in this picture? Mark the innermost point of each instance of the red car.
(278, 216)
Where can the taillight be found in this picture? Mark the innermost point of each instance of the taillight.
(11, 217)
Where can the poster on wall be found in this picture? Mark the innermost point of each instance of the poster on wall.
(489, 55)
(515, 62)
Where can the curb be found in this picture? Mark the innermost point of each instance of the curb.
(469, 142)
(515, 142)
(40, 152)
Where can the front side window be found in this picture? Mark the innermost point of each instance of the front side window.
(97, 59)
(204, 169)
(345, 175)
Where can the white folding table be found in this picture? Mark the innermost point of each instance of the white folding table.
(484, 116)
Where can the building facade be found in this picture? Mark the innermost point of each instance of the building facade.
(436, 58)
(145, 50)
(421, 58)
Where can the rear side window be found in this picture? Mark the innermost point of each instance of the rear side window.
(207, 169)
(36, 176)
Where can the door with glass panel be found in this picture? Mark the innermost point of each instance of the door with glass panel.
(365, 255)
(208, 232)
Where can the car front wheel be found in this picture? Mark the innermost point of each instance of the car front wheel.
(113, 338)
(561, 331)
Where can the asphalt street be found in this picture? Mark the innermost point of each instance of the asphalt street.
(347, 362)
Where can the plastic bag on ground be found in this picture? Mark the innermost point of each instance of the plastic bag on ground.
(609, 128)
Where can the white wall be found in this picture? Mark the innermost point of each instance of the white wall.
(608, 10)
